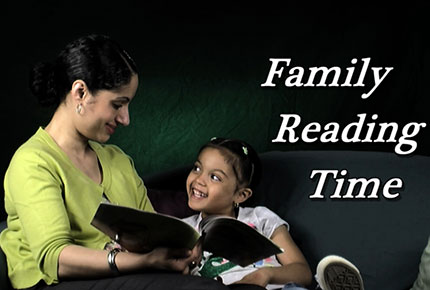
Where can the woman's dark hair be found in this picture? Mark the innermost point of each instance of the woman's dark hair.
(96, 59)
(243, 158)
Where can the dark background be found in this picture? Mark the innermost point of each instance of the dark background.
(201, 68)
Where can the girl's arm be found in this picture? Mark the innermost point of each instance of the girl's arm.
(294, 265)
(80, 262)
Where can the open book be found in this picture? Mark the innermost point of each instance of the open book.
(140, 231)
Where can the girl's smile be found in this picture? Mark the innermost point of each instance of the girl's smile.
(198, 194)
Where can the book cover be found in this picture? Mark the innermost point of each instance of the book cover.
(141, 231)
(236, 241)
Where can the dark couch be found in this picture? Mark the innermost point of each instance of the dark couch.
(383, 237)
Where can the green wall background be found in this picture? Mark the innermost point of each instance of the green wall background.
(196, 85)
(201, 70)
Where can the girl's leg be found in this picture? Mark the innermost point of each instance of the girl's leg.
(293, 286)
(289, 286)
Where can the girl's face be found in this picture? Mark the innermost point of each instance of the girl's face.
(212, 186)
(107, 109)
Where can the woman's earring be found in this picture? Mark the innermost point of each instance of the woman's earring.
(236, 205)
(79, 109)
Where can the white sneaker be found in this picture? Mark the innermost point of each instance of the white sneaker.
(337, 273)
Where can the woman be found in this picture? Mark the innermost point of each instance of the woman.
(56, 180)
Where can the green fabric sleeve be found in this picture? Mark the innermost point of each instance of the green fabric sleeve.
(37, 197)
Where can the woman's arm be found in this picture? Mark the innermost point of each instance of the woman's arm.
(294, 266)
(80, 262)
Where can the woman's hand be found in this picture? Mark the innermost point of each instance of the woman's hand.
(259, 277)
(176, 260)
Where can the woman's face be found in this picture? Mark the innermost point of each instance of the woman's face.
(107, 109)
(212, 184)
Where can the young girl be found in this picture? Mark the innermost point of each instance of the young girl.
(222, 178)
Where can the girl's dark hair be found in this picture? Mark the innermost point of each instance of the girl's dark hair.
(96, 59)
(243, 158)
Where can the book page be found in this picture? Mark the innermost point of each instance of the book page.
(141, 231)
(236, 241)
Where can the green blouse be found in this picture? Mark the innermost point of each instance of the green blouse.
(50, 204)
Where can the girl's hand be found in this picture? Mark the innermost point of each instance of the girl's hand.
(197, 253)
(260, 277)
